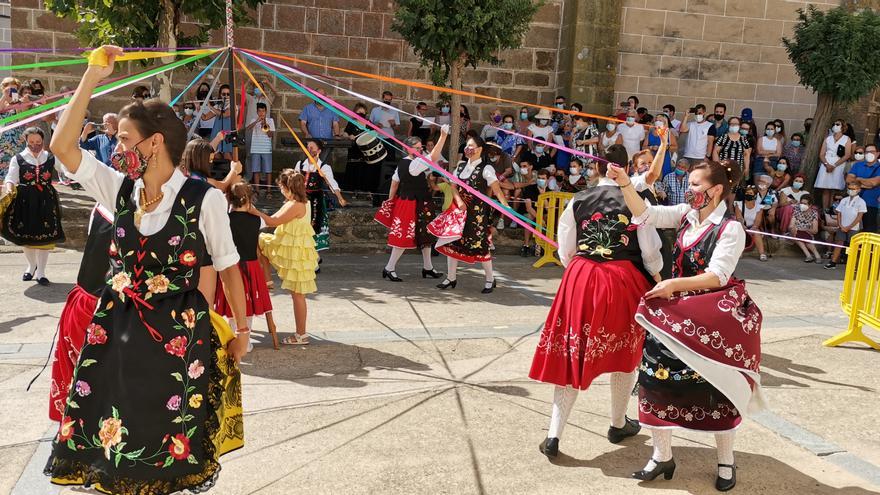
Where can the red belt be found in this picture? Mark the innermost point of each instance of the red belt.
(138, 302)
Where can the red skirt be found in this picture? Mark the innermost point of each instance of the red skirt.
(463, 233)
(590, 329)
(407, 222)
(256, 293)
(75, 318)
(700, 368)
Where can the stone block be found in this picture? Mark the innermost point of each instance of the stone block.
(410, 73)
(382, 6)
(627, 84)
(384, 50)
(516, 94)
(349, 4)
(311, 20)
(538, 79)
(549, 13)
(786, 74)
(684, 25)
(249, 37)
(784, 10)
(657, 86)
(631, 43)
(500, 77)
(642, 21)
(476, 76)
(28, 4)
(746, 8)
(289, 42)
(763, 32)
(718, 70)
(331, 21)
(545, 60)
(631, 64)
(542, 37)
(700, 49)
(728, 29)
(387, 32)
(804, 95)
(774, 55)
(68, 42)
(354, 23)
(518, 59)
(754, 72)
(736, 91)
(369, 87)
(793, 111)
(680, 67)
(653, 45)
(24, 18)
(670, 5)
(290, 18)
(31, 39)
(267, 16)
(372, 25)
(772, 92)
(739, 51)
(713, 7)
(357, 48)
(635, 3)
(761, 110)
(697, 89)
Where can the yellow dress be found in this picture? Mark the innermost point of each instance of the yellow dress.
(291, 250)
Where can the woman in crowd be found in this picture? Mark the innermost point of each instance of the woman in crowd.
(652, 142)
(781, 177)
(609, 137)
(804, 224)
(833, 156)
(750, 213)
(769, 150)
(540, 129)
(793, 151)
(11, 140)
(508, 140)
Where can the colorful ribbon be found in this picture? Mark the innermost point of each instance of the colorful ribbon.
(197, 78)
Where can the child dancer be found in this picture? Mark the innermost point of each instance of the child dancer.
(291, 249)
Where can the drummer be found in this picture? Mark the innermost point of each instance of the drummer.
(358, 176)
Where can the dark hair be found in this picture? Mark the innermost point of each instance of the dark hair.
(508, 116)
(526, 159)
(387, 93)
(294, 182)
(318, 143)
(543, 172)
(197, 157)
(734, 117)
(700, 106)
(727, 173)
(669, 106)
(225, 86)
(467, 114)
(806, 197)
(558, 97)
(156, 117)
(30, 131)
(771, 124)
(421, 104)
(239, 194)
(359, 105)
(634, 97)
(140, 92)
(722, 105)
(616, 154)
(641, 110)
(34, 82)
(797, 135)
(578, 106)
(262, 106)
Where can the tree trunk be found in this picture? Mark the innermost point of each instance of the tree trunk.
(454, 109)
(168, 26)
(821, 123)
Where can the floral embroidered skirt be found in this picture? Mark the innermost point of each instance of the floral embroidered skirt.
(75, 317)
(463, 234)
(590, 329)
(407, 222)
(148, 416)
(320, 220)
(700, 365)
(256, 293)
(33, 218)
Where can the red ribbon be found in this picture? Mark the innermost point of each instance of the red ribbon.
(138, 302)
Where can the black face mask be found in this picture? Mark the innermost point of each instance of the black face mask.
(719, 117)
(807, 126)
(37, 91)
(387, 102)
(750, 197)
(362, 114)
(201, 95)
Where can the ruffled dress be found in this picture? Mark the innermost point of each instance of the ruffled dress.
(291, 250)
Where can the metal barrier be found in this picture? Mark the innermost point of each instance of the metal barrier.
(550, 207)
(860, 298)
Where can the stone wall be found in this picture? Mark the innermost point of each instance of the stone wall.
(5, 34)
(705, 51)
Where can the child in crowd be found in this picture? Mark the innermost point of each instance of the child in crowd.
(829, 225)
(804, 224)
(750, 213)
(849, 219)
(530, 195)
(291, 249)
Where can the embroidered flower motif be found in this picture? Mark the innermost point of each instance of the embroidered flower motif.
(661, 414)
(120, 281)
(189, 318)
(622, 219)
(174, 241)
(704, 339)
(676, 327)
(597, 216)
(716, 415)
(688, 417)
(196, 368)
(662, 374)
(747, 363)
(158, 284)
(110, 434)
(120, 232)
(82, 388)
(96, 334)
(728, 352)
(631, 227)
(177, 346)
(173, 403)
(624, 240)
(179, 447)
(195, 401)
(46, 176)
(188, 258)
(113, 250)
(66, 429)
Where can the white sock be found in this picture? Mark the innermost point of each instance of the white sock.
(662, 440)
(427, 264)
(31, 256)
(487, 267)
(451, 269)
(42, 256)
(396, 253)
(724, 445)
(621, 388)
(563, 402)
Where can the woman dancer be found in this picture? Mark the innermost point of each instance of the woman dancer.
(144, 415)
(463, 229)
(33, 218)
(316, 174)
(590, 329)
(699, 368)
(409, 208)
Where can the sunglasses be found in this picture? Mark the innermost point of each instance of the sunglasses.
(224, 94)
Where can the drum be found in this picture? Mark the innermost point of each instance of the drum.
(373, 149)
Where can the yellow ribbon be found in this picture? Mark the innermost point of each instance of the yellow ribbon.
(100, 58)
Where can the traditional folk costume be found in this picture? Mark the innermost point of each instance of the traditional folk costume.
(590, 329)
(407, 216)
(246, 235)
(291, 250)
(148, 409)
(79, 308)
(33, 217)
(315, 190)
(700, 366)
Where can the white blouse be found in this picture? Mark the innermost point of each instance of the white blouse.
(730, 243)
(305, 166)
(103, 184)
(12, 174)
(416, 166)
(488, 171)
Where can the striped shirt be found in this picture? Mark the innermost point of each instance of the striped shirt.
(261, 142)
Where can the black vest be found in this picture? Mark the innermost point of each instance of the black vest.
(92, 276)
(604, 228)
(412, 187)
(694, 260)
(245, 234)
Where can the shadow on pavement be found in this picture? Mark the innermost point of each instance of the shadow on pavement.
(54, 293)
(7, 326)
(796, 370)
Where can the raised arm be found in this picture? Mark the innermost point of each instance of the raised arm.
(290, 211)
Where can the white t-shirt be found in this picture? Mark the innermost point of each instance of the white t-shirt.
(793, 195)
(541, 132)
(769, 144)
(608, 141)
(749, 214)
(697, 140)
(849, 208)
(632, 138)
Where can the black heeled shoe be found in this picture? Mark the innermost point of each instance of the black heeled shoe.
(488, 290)
(617, 435)
(724, 485)
(392, 276)
(666, 468)
(446, 284)
(27, 277)
(431, 273)
(549, 447)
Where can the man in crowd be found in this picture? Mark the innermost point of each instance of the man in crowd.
(318, 121)
(104, 143)
(866, 174)
(700, 134)
(383, 117)
(632, 133)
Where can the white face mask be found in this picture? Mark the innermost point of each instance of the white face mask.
(870, 157)
(188, 111)
(539, 150)
(769, 133)
(733, 129)
(835, 129)
(590, 172)
(852, 192)
(804, 207)
(859, 156)
(659, 124)
(610, 126)
(700, 117)
(797, 185)
(630, 120)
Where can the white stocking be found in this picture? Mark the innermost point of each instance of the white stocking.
(621, 388)
(427, 264)
(724, 445)
(662, 440)
(42, 258)
(30, 254)
(487, 267)
(563, 402)
(396, 253)
(451, 269)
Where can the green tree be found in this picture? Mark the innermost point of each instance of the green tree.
(135, 23)
(449, 35)
(835, 55)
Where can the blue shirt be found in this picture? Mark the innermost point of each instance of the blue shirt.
(222, 124)
(864, 171)
(508, 141)
(318, 122)
(102, 145)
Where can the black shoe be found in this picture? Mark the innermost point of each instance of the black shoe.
(27, 277)
(431, 273)
(524, 251)
(488, 290)
(43, 281)
(723, 485)
(631, 428)
(549, 447)
(446, 284)
(392, 276)
(666, 468)
(828, 266)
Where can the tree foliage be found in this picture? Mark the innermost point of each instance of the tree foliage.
(835, 52)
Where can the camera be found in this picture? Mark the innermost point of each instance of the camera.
(693, 110)
(234, 138)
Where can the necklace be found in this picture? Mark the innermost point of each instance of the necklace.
(139, 213)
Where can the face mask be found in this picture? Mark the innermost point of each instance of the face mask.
(493, 159)
(362, 114)
(470, 152)
(444, 109)
(37, 91)
(679, 172)
(201, 95)
(387, 102)
(188, 111)
(35, 150)
(797, 185)
(130, 162)
(523, 116)
(700, 117)
(659, 124)
(743, 132)
(572, 179)
(852, 192)
(719, 117)
(778, 129)
(523, 170)
(750, 197)
(610, 127)
(836, 128)
(496, 118)
(630, 120)
(543, 122)
(807, 126)
(696, 199)
(507, 126)
(769, 132)
(859, 156)
(804, 207)
(870, 157)
(762, 187)
(733, 129)
(560, 105)
(539, 150)
(542, 183)
(590, 172)
(575, 171)
(795, 144)
(781, 167)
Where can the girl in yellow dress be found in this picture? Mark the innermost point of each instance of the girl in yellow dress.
(291, 249)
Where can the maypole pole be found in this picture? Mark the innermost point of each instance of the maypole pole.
(230, 44)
